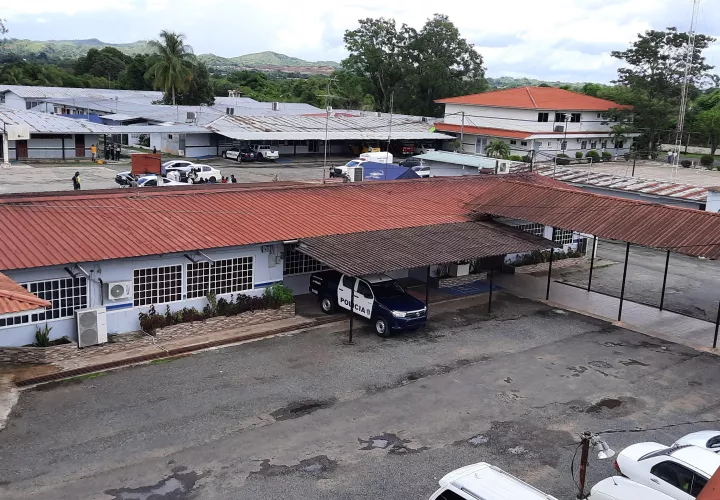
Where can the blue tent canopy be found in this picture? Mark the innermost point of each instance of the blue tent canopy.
(373, 171)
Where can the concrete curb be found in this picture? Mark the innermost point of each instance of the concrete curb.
(8, 399)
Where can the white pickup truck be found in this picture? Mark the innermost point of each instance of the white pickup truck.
(265, 152)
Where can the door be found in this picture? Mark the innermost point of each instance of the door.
(675, 480)
(21, 149)
(364, 299)
(480, 144)
(79, 146)
(344, 287)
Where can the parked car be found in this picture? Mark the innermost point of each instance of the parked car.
(232, 154)
(205, 172)
(176, 164)
(703, 439)
(485, 481)
(343, 169)
(376, 297)
(247, 154)
(124, 178)
(377, 156)
(265, 152)
(422, 170)
(411, 162)
(680, 472)
(622, 488)
(152, 181)
(423, 148)
(408, 149)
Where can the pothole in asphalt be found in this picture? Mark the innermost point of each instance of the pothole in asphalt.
(179, 486)
(301, 408)
(600, 364)
(608, 404)
(315, 466)
(390, 442)
(633, 362)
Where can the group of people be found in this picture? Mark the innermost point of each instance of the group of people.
(672, 156)
(225, 180)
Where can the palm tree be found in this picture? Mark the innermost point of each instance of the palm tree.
(498, 149)
(172, 64)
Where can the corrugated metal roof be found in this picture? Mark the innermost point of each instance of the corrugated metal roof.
(468, 160)
(46, 123)
(39, 92)
(682, 230)
(313, 128)
(54, 229)
(14, 298)
(623, 183)
(418, 246)
(163, 128)
(119, 117)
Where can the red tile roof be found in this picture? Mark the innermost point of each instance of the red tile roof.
(682, 230)
(535, 98)
(494, 132)
(14, 298)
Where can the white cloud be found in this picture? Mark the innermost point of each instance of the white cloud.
(551, 39)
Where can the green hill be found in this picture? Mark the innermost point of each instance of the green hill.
(58, 50)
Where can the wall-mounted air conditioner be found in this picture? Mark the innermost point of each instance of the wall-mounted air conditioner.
(91, 326)
(118, 290)
(355, 174)
(275, 106)
(559, 128)
(190, 117)
(503, 168)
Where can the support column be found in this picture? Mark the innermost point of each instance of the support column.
(6, 150)
(352, 310)
(490, 293)
(622, 288)
(427, 292)
(662, 294)
(717, 327)
(592, 261)
(62, 143)
(547, 292)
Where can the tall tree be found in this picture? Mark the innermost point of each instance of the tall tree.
(171, 68)
(498, 149)
(705, 118)
(656, 66)
(199, 90)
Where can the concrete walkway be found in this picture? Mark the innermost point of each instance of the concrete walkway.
(670, 326)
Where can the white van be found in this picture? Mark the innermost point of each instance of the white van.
(378, 156)
(485, 481)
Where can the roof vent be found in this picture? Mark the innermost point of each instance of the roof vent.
(190, 116)
(275, 106)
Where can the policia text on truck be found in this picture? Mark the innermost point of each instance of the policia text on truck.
(377, 297)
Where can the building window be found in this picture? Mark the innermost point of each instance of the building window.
(559, 117)
(230, 111)
(532, 228)
(619, 144)
(563, 145)
(543, 117)
(523, 143)
(599, 115)
(575, 117)
(221, 276)
(157, 285)
(583, 145)
(603, 144)
(65, 296)
(593, 144)
(513, 142)
(297, 262)
(563, 236)
(549, 144)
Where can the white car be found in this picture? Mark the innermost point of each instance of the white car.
(266, 152)
(176, 164)
(152, 181)
(423, 148)
(422, 170)
(485, 481)
(206, 172)
(703, 439)
(622, 488)
(680, 472)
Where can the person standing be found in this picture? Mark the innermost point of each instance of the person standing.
(117, 151)
(233, 179)
(76, 181)
(93, 152)
(670, 157)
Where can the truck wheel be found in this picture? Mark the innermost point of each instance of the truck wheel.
(381, 327)
(259, 157)
(327, 305)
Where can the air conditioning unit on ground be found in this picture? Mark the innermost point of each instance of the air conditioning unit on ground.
(503, 168)
(118, 290)
(91, 326)
(355, 174)
(559, 128)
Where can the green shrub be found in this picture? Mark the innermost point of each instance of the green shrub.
(685, 163)
(539, 257)
(526, 159)
(593, 154)
(562, 159)
(516, 158)
(578, 154)
(42, 336)
(606, 156)
(706, 160)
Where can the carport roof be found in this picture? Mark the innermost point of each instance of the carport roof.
(370, 252)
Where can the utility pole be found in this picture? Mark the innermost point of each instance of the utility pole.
(392, 102)
(462, 130)
(685, 85)
(327, 97)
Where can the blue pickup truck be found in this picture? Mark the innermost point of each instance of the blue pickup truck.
(377, 297)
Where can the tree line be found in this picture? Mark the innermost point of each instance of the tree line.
(402, 69)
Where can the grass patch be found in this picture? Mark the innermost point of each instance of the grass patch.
(161, 361)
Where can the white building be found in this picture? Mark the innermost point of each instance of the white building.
(546, 120)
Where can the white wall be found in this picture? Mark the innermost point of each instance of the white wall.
(713, 202)
(122, 316)
(12, 100)
(200, 145)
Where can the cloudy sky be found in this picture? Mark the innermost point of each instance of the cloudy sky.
(567, 40)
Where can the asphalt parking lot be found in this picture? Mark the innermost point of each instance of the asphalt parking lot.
(692, 288)
(307, 416)
(23, 178)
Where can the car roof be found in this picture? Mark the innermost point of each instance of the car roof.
(702, 459)
(702, 439)
(376, 278)
(487, 482)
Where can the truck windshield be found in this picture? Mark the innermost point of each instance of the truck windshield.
(352, 163)
(387, 289)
